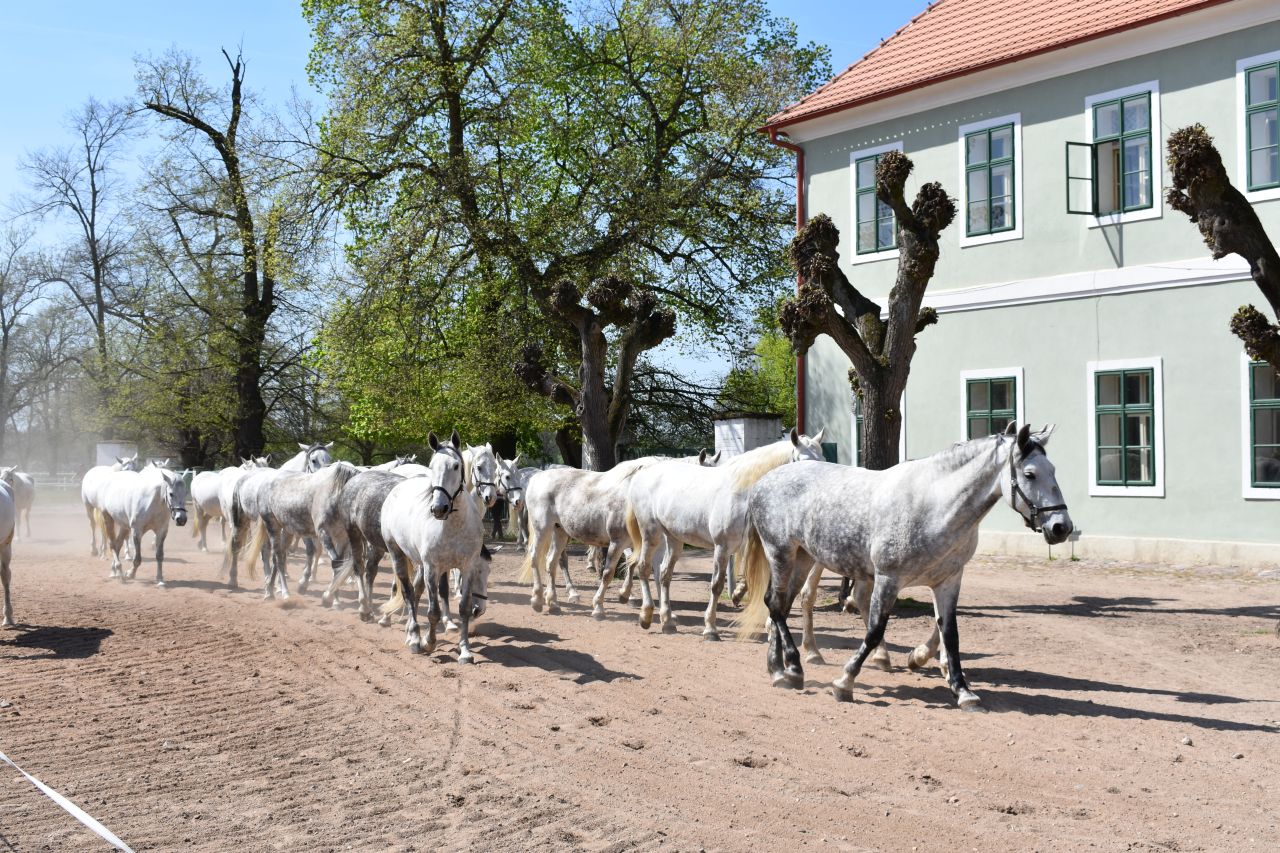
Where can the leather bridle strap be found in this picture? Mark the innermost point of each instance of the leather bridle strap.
(452, 497)
(1032, 520)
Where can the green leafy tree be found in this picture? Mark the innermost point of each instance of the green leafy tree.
(600, 167)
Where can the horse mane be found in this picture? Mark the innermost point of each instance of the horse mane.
(748, 467)
(963, 452)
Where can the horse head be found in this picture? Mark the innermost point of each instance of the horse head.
(9, 475)
(510, 483)
(175, 484)
(1032, 485)
(804, 447)
(447, 472)
(482, 470)
(317, 455)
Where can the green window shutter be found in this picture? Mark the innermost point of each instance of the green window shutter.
(1081, 197)
(1264, 426)
(990, 405)
(1262, 125)
(830, 451)
(1124, 413)
(989, 181)
(876, 229)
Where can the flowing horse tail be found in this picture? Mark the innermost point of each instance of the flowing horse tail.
(535, 549)
(99, 529)
(755, 571)
(633, 530)
(396, 601)
(254, 548)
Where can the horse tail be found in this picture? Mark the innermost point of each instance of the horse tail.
(200, 522)
(633, 528)
(755, 570)
(254, 547)
(536, 552)
(396, 601)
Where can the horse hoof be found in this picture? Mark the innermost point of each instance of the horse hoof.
(366, 617)
(414, 647)
(451, 625)
(711, 636)
(882, 663)
(815, 657)
(536, 604)
(789, 679)
(970, 702)
(669, 626)
(624, 597)
(917, 661)
(573, 597)
(841, 694)
(466, 657)
(385, 621)
(160, 584)
(646, 619)
(597, 613)
(553, 607)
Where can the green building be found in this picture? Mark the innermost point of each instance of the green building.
(1068, 290)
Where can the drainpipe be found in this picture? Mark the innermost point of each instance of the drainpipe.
(801, 407)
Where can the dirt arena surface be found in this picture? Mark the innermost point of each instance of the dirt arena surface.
(1130, 708)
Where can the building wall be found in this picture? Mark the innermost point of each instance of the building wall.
(1186, 326)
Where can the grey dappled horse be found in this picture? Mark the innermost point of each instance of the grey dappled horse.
(290, 506)
(913, 524)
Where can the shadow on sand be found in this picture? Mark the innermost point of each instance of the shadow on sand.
(57, 643)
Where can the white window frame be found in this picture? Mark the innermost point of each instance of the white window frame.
(1156, 211)
(1014, 233)
(1019, 404)
(857, 439)
(1242, 130)
(869, 257)
(1156, 366)
(1247, 490)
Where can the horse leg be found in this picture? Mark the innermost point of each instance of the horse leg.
(674, 549)
(412, 634)
(26, 513)
(862, 596)
(846, 590)
(610, 564)
(628, 578)
(926, 651)
(201, 520)
(433, 587)
(593, 559)
(443, 588)
(368, 576)
(945, 596)
(787, 570)
(809, 595)
(309, 545)
(719, 567)
(231, 554)
(643, 570)
(94, 549)
(464, 617)
(883, 596)
(558, 545)
(136, 537)
(160, 535)
(6, 553)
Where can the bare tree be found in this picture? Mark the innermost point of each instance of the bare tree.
(79, 183)
(1229, 225)
(827, 302)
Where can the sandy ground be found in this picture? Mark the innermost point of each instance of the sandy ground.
(1131, 708)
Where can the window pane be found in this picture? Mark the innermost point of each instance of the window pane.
(1001, 213)
(1108, 184)
(867, 236)
(979, 397)
(1135, 114)
(978, 218)
(1262, 167)
(1002, 180)
(1137, 190)
(1262, 85)
(1106, 121)
(884, 233)
(866, 207)
(1266, 465)
(1140, 469)
(883, 211)
(1001, 394)
(867, 173)
(1137, 389)
(999, 425)
(1262, 129)
(978, 427)
(1137, 430)
(1109, 430)
(978, 185)
(1266, 382)
(1137, 154)
(1001, 143)
(1109, 464)
(1266, 426)
(976, 148)
(1109, 389)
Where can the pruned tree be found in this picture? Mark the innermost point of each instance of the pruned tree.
(1229, 225)
(880, 348)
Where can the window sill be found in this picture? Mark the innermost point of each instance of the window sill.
(1259, 493)
(1153, 212)
(997, 237)
(1262, 195)
(1096, 491)
(871, 257)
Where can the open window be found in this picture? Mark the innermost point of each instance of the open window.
(1115, 177)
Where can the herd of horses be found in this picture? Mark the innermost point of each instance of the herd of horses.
(782, 512)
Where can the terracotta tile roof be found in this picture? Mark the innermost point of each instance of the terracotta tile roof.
(952, 38)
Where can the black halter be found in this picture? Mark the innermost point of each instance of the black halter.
(1033, 520)
(461, 483)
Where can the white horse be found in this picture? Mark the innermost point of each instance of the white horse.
(391, 464)
(590, 506)
(205, 498)
(312, 457)
(89, 485)
(913, 524)
(411, 469)
(24, 495)
(8, 526)
(429, 523)
(133, 502)
(673, 504)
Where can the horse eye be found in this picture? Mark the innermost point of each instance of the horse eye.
(1029, 474)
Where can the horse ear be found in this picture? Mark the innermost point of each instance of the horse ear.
(455, 440)
(1012, 428)
(515, 460)
(820, 433)
(302, 446)
(1024, 436)
(433, 441)
(702, 456)
(1043, 435)
(795, 437)
(328, 446)
(715, 460)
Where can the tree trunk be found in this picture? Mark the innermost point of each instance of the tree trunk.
(599, 445)
(881, 424)
(569, 446)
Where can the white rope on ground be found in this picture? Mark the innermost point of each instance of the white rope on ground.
(71, 808)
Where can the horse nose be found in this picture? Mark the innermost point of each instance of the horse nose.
(1060, 531)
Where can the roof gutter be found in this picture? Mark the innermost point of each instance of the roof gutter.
(801, 407)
